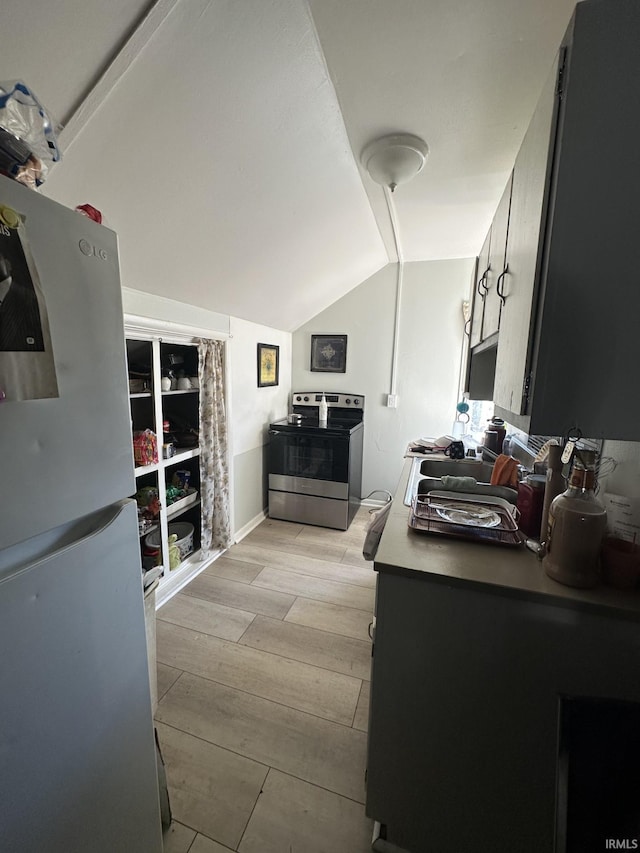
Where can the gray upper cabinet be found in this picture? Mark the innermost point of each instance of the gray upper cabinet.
(497, 266)
(530, 179)
(480, 293)
(569, 332)
(479, 364)
(480, 355)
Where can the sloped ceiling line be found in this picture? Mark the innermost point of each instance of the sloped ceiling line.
(115, 71)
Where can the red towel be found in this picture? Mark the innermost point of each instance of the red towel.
(505, 472)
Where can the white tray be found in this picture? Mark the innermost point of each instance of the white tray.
(177, 506)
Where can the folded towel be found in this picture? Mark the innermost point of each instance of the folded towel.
(505, 472)
(458, 484)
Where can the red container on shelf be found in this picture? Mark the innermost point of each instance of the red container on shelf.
(530, 502)
(145, 447)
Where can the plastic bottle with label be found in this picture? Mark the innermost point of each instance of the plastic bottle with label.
(322, 412)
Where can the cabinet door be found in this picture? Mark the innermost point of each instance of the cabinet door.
(71, 613)
(497, 264)
(466, 338)
(480, 293)
(519, 287)
(591, 265)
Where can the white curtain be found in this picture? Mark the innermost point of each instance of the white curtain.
(214, 472)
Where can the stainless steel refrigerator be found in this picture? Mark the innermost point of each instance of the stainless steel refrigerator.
(77, 751)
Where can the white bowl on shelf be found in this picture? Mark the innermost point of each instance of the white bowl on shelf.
(183, 530)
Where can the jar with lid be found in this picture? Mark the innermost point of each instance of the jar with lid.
(577, 522)
(494, 435)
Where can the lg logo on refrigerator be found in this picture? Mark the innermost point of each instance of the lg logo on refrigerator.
(92, 251)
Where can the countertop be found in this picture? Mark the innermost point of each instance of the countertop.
(511, 571)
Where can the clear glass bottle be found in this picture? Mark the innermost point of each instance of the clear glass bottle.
(577, 522)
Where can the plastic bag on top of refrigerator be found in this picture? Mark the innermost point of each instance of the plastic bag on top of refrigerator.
(27, 135)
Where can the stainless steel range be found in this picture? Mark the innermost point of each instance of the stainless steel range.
(315, 469)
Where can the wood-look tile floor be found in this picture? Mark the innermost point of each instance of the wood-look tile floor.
(263, 681)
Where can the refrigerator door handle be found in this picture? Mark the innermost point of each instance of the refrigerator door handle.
(54, 543)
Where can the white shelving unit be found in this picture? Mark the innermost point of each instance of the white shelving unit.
(149, 409)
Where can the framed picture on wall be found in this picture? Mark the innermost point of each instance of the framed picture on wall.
(268, 365)
(329, 353)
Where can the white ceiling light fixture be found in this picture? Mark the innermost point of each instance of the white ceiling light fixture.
(394, 159)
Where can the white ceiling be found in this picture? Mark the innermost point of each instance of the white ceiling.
(222, 144)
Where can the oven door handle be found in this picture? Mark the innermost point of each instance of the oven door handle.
(302, 433)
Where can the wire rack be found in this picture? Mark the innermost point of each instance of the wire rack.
(605, 465)
(455, 516)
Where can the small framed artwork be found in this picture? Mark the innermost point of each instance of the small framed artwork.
(329, 353)
(268, 365)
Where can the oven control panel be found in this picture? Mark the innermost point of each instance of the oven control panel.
(343, 401)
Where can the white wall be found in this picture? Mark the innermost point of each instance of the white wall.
(252, 410)
(430, 342)
(138, 304)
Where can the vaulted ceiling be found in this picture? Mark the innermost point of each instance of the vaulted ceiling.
(221, 138)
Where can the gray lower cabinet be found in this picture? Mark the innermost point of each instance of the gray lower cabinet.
(467, 688)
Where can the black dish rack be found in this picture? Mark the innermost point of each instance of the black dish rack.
(428, 516)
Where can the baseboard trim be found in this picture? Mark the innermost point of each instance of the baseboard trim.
(249, 526)
(190, 569)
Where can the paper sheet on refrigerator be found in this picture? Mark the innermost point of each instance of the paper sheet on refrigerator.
(27, 367)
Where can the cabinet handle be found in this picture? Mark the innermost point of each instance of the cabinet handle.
(483, 289)
(499, 290)
(467, 328)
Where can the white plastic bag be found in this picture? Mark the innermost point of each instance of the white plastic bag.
(374, 529)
